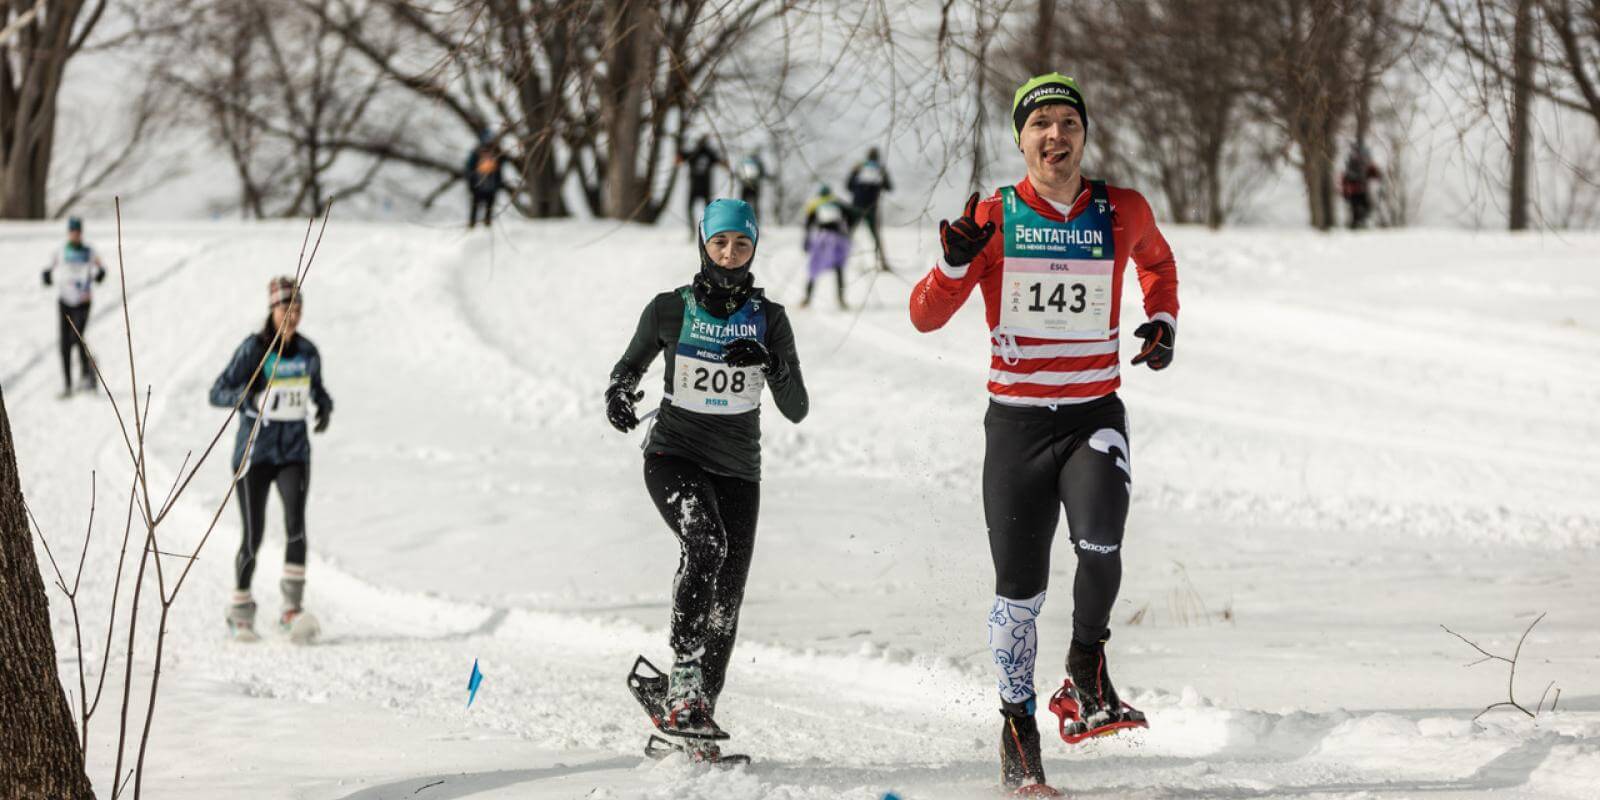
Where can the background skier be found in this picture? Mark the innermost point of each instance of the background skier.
(700, 160)
(826, 240)
(73, 270)
(750, 174)
(867, 182)
(484, 177)
(1356, 183)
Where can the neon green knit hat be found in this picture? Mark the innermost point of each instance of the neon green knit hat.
(1043, 90)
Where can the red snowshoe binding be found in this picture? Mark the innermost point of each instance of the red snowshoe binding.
(1087, 703)
(687, 718)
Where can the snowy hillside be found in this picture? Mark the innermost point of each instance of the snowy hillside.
(1362, 437)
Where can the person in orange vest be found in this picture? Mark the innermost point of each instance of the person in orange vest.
(483, 177)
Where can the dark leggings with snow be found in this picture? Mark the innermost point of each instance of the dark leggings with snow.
(1039, 461)
(70, 316)
(714, 517)
(293, 481)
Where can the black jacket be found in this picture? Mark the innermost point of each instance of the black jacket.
(722, 444)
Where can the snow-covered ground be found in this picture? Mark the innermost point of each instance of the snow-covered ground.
(1363, 437)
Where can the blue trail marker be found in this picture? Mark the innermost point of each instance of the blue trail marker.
(473, 683)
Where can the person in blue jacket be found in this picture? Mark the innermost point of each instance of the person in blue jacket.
(280, 397)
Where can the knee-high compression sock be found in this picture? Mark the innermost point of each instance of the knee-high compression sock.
(1014, 640)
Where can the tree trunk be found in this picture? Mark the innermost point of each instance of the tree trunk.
(630, 32)
(35, 57)
(39, 752)
(1043, 59)
(1521, 101)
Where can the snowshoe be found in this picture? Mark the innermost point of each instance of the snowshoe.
(687, 718)
(301, 625)
(241, 619)
(1021, 767)
(1087, 703)
(699, 751)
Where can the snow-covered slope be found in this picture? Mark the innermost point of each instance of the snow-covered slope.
(1362, 438)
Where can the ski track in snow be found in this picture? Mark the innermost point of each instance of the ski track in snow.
(1338, 457)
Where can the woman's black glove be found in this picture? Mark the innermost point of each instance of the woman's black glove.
(1158, 339)
(963, 240)
(322, 420)
(748, 353)
(620, 398)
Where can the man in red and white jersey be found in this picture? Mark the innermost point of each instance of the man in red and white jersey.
(1049, 254)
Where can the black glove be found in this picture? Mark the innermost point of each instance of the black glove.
(1158, 337)
(322, 420)
(620, 398)
(47, 279)
(963, 240)
(100, 276)
(748, 353)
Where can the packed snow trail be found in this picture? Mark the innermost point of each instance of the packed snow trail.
(1362, 437)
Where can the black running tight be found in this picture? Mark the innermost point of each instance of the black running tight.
(714, 517)
(1039, 461)
(293, 481)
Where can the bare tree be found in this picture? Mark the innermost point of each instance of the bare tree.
(1169, 90)
(1313, 61)
(1522, 66)
(40, 755)
(281, 92)
(1575, 28)
(1517, 52)
(593, 93)
(37, 40)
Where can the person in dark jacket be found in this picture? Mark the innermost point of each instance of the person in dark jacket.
(723, 342)
(73, 270)
(750, 174)
(867, 183)
(701, 161)
(1356, 183)
(484, 177)
(274, 378)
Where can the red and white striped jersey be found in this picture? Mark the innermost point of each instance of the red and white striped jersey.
(1063, 370)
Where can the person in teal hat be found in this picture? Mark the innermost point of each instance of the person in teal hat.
(73, 271)
(724, 342)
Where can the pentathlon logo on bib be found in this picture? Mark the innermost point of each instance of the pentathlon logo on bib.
(1057, 280)
(703, 382)
(288, 394)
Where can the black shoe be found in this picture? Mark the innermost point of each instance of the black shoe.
(1097, 698)
(1020, 764)
(1087, 703)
